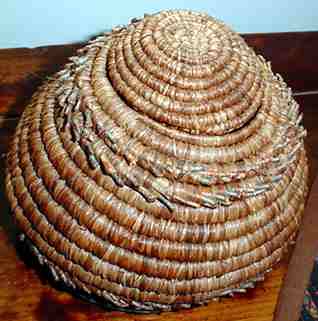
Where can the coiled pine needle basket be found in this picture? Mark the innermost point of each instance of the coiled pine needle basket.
(162, 167)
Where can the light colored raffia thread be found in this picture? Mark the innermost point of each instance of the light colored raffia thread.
(162, 167)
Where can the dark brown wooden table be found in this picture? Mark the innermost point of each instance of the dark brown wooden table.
(25, 296)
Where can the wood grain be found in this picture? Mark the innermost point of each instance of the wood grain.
(22, 70)
(301, 263)
(24, 295)
(293, 54)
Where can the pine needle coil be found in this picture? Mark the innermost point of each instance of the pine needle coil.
(163, 166)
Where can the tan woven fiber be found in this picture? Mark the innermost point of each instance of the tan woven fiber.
(162, 167)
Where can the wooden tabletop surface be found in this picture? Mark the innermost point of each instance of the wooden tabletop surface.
(25, 296)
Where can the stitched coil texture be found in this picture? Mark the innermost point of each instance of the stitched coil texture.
(163, 166)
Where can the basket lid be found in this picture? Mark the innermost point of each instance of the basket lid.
(188, 71)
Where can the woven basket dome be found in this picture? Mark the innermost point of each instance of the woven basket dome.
(162, 167)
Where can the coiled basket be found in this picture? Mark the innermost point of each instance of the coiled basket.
(162, 167)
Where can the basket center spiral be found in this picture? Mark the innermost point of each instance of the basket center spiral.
(189, 39)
